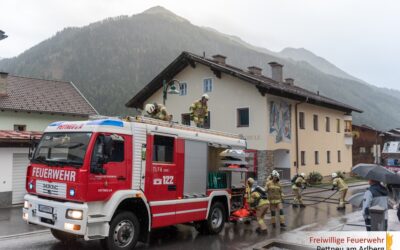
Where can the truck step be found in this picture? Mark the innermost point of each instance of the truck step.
(97, 216)
(96, 237)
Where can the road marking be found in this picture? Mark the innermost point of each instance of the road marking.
(6, 237)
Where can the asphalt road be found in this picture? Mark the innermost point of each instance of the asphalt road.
(186, 237)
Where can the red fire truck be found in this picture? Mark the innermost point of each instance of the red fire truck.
(116, 180)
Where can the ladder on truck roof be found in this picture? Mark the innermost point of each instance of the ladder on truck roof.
(157, 122)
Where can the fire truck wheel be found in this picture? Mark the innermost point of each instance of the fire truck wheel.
(216, 218)
(124, 232)
(63, 236)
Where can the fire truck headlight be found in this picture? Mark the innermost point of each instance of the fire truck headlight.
(74, 214)
(30, 185)
(26, 204)
(72, 192)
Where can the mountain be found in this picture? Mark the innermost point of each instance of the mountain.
(318, 62)
(111, 60)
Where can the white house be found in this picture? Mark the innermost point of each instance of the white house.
(290, 128)
(27, 106)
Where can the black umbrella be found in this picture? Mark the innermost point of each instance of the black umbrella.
(376, 172)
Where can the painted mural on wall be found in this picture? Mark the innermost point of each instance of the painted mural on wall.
(280, 121)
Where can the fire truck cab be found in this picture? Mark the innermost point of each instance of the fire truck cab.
(116, 180)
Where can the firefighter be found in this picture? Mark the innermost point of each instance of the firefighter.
(199, 111)
(275, 197)
(157, 111)
(271, 176)
(258, 201)
(339, 184)
(298, 182)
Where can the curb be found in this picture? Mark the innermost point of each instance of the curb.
(6, 237)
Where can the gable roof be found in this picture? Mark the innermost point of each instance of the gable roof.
(44, 96)
(264, 84)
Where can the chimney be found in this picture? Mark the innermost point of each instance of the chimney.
(220, 59)
(3, 83)
(289, 81)
(254, 70)
(276, 70)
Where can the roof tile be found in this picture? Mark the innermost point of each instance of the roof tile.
(48, 96)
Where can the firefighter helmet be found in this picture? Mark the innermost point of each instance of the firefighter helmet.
(205, 96)
(150, 108)
(303, 175)
(334, 175)
(250, 181)
(275, 174)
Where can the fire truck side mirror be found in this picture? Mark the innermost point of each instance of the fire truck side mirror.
(33, 144)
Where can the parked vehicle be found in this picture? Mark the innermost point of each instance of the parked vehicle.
(391, 155)
(116, 180)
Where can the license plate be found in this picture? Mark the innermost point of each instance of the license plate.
(45, 209)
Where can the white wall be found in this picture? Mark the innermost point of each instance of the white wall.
(223, 113)
(33, 121)
(282, 158)
(6, 163)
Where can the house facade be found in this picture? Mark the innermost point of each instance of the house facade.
(367, 144)
(27, 106)
(276, 117)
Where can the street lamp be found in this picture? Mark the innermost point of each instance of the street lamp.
(170, 88)
(2, 35)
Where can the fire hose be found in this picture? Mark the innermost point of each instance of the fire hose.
(323, 199)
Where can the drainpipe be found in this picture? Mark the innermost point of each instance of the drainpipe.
(297, 133)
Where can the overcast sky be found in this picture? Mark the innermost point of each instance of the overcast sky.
(361, 37)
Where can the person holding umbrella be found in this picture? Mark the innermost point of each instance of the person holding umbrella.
(376, 194)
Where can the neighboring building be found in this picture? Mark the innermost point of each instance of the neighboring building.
(367, 144)
(292, 129)
(27, 106)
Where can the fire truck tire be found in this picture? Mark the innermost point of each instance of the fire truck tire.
(124, 232)
(216, 218)
(63, 236)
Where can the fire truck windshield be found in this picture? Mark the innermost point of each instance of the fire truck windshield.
(62, 148)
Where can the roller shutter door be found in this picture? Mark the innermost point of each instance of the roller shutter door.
(20, 163)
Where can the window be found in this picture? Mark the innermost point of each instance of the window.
(328, 156)
(303, 158)
(183, 89)
(315, 119)
(207, 120)
(339, 157)
(117, 150)
(302, 124)
(316, 156)
(207, 85)
(163, 149)
(185, 119)
(363, 150)
(348, 127)
(243, 117)
(327, 124)
(338, 125)
(19, 127)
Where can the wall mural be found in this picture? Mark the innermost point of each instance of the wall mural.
(280, 122)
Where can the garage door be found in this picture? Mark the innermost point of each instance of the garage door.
(20, 163)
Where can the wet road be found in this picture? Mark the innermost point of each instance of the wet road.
(185, 237)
